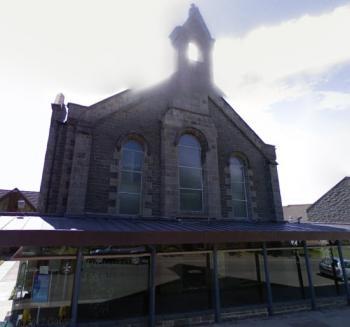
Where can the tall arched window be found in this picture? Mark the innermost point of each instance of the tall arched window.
(129, 194)
(190, 174)
(238, 187)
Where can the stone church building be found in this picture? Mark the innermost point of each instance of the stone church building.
(162, 206)
(176, 150)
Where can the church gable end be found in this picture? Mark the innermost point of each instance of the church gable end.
(176, 150)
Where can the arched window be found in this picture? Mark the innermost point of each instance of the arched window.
(190, 174)
(194, 53)
(129, 194)
(238, 188)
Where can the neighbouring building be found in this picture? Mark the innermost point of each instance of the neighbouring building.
(162, 207)
(295, 212)
(18, 201)
(334, 206)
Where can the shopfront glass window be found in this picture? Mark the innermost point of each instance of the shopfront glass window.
(288, 276)
(43, 292)
(326, 270)
(183, 283)
(240, 278)
(113, 287)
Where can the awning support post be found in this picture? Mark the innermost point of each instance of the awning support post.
(300, 275)
(152, 288)
(76, 288)
(345, 277)
(309, 277)
(216, 286)
(336, 284)
(267, 281)
(258, 276)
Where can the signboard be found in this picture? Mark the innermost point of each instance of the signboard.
(41, 288)
(44, 270)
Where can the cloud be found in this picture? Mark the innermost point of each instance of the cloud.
(308, 44)
(89, 50)
(255, 70)
(272, 77)
(86, 49)
(331, 100)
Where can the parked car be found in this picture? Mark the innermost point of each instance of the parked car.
(118, 250)
(332, 268)
(111, 250)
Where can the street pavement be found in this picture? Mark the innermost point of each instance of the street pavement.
(320, 318)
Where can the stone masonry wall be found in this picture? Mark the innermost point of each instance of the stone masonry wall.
(334, 206)
(140, 119)
(175, 123)
(232, 140)
(84, 176)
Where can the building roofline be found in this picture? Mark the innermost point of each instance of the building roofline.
(23, 195)
(93, 231)
(243, 126)
(324, 195)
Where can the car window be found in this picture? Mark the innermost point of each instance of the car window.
(327, 261)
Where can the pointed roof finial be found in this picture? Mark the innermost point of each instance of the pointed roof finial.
(193, 9)
(59, 99)
(194, 14)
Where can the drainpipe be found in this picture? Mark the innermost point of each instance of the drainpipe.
(309, 277)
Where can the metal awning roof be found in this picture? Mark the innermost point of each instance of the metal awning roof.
(90, 231)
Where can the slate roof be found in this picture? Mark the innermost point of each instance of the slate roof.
(333, 206)
(31, 196)
(45, 231)
(3, 192)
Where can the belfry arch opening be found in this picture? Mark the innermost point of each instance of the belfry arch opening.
(194, 54)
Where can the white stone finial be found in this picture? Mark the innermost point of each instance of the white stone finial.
(59, 99)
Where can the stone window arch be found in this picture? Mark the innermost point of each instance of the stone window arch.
(238, 170)
(118, 170)
(198, 135)
(134, 137)
(190, 173)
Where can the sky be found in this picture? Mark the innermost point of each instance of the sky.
(284, 66)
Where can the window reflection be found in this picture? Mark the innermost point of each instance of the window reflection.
(238, 188)
(288, 276)
(114, 288)
(183, 283)
(326, 271)
(114, 282)
(43, 292)
(190, 174)
(240, 278)
(129, 194)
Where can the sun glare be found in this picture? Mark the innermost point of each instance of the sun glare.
(193, 52)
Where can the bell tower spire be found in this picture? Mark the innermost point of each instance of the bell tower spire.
(193, 32)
